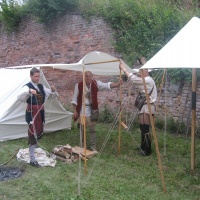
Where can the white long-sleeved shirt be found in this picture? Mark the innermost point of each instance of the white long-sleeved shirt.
(100, 85)
(24, 93)
(138, 82)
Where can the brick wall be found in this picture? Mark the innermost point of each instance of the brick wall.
(67, 41)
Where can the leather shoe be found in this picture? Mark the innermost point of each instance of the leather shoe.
(35, 164)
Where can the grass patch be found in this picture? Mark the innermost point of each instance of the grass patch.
(110, 175)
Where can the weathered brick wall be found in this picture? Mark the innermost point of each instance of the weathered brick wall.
(67, 41)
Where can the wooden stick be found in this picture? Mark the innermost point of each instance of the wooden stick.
(120, 115)
(102, 62)
(124, 125)
(10, 158)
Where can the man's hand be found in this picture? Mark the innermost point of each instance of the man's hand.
(32, 91)
(53, 89)
(114, 85)
(75, 114)
(121, 65)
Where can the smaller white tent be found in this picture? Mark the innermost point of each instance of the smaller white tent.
(182, 51)
(12, 110)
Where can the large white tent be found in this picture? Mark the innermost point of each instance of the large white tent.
(12, 110)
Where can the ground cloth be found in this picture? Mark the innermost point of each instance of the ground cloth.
(42, 157)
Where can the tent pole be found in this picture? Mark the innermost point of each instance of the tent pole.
(193, 119)
(120, 115)
(94, 63)
(84, 122)
(154, 133)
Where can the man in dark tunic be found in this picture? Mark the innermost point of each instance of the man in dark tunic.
(35, 94)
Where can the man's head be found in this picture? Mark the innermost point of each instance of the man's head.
(88, 77)
(142, 61)
(35, 75)
(145, 72)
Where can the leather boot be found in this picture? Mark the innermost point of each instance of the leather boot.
(142, 145)
(147, 140)
(147, 149)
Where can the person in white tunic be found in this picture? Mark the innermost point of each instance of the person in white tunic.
(91, 103)
(144, 117)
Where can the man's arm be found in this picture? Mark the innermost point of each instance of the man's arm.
(24, 93)
(114, 85)
(74, 101)
(50, 92)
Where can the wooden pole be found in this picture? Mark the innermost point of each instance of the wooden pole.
(94, 63)
(120, 115)
(83, 121)
(154, 133)
(193, 119)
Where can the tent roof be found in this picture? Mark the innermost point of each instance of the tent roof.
(182, 51)
(98, 62)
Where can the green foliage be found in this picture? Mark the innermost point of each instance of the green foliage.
(141, 27)
(159, 123)
(11, 14)
(182, 75)
(173, 126)
(47, 10)
(105, 116)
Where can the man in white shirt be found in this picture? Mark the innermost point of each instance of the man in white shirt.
(144, 112)
(35, 94)
(91, 102)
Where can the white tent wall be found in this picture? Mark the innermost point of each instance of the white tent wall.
(12, 110)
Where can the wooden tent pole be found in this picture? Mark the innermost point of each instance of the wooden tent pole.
(193, 119)
(120, 115)
(83, 121)
(94, 63)
(154, 133)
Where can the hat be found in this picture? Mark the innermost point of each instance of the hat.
(135, 71)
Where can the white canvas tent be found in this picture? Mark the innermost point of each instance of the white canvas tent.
(182, 51)
(99, 63)
(12, 110)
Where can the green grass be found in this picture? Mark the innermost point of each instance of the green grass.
(110, 176)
